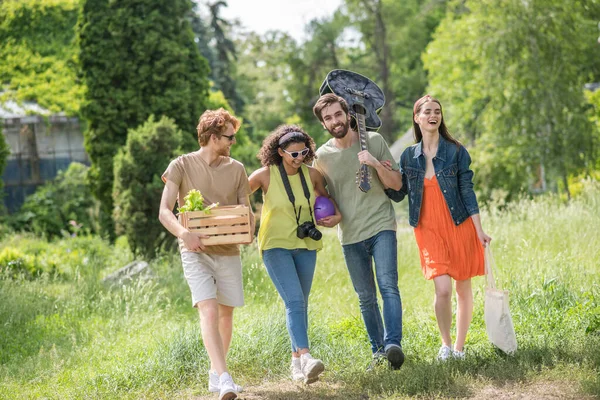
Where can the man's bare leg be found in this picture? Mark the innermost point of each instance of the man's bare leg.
(213, 342)
(225, 326)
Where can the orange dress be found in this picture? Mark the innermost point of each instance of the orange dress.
(444, 247)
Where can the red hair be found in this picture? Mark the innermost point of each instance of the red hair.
(214, 122)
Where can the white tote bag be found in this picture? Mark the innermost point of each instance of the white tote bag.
(498, 322)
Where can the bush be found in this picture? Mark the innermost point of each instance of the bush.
(15, 262)
(138, 186)
(70, 258)
(63, 206)
(5, 228)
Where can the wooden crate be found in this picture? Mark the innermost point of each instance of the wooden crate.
(224, 225)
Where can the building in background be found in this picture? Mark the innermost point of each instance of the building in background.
(40, 145)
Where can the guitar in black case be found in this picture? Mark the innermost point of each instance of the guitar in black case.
(365, 100)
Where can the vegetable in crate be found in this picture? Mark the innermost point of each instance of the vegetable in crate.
(194, 201)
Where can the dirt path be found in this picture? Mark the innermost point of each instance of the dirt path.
(285, 390)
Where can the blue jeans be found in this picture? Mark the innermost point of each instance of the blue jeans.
(292, 274)
(359, 256)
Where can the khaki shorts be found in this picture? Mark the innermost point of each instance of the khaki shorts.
(211, 276)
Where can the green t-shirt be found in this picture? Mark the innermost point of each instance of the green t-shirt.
(363, 214)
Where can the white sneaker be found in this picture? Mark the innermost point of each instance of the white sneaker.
(444, 353)
(459, 355)
(227, 391)
(214, 385)
(296, 368)
(311, 368)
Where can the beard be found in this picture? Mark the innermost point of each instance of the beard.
(224, 151)
(341, 133)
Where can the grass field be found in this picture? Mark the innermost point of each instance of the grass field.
(69, 336)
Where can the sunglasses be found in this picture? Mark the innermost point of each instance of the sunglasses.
(231, 138)
(295, 154)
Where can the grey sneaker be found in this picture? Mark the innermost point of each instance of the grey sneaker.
(296, 369)
(444, 353)
(311, 368)
(379, 359)
(227, 390)
(395, 356)
(215, 386)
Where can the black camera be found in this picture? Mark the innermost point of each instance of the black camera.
(308, 229)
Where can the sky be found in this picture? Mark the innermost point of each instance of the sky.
(290, 16)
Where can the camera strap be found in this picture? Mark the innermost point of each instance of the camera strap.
(290, 193)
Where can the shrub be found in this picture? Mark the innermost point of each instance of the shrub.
(62, 206)
(138, 186)
(15, 262)
(5, 228)
(71, 258)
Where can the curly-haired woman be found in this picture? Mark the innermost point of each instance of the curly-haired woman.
(288, 238)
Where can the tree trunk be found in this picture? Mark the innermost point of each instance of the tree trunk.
(566, 183)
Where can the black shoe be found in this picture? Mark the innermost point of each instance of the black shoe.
(395, 356)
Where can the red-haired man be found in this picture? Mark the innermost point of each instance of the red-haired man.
(213, 273)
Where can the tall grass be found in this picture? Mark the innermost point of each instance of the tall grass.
(68, 335)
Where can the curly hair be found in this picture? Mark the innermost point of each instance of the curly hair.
(213, 122)
(268, 154)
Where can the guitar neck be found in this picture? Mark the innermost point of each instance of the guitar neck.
(363, 175)
(362, 132)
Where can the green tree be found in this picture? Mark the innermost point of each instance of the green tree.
(309, 64)
(38, 53)
(280, 79)
(511, 74)
(374, 26)
(223, 68)
(138, 186)
(394, 35)
(410, 27)
(264, 77)
(202, 35)
(138, 58)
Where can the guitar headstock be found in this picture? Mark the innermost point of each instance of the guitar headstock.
(347, 84)
(363, 178)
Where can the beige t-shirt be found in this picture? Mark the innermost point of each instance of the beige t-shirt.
(225, 183)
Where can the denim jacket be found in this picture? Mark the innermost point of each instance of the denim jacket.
(451, 164)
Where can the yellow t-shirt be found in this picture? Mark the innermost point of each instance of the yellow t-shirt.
(278, 223)
(226, 184)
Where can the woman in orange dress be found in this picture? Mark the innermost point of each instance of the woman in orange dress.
(443, 210)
